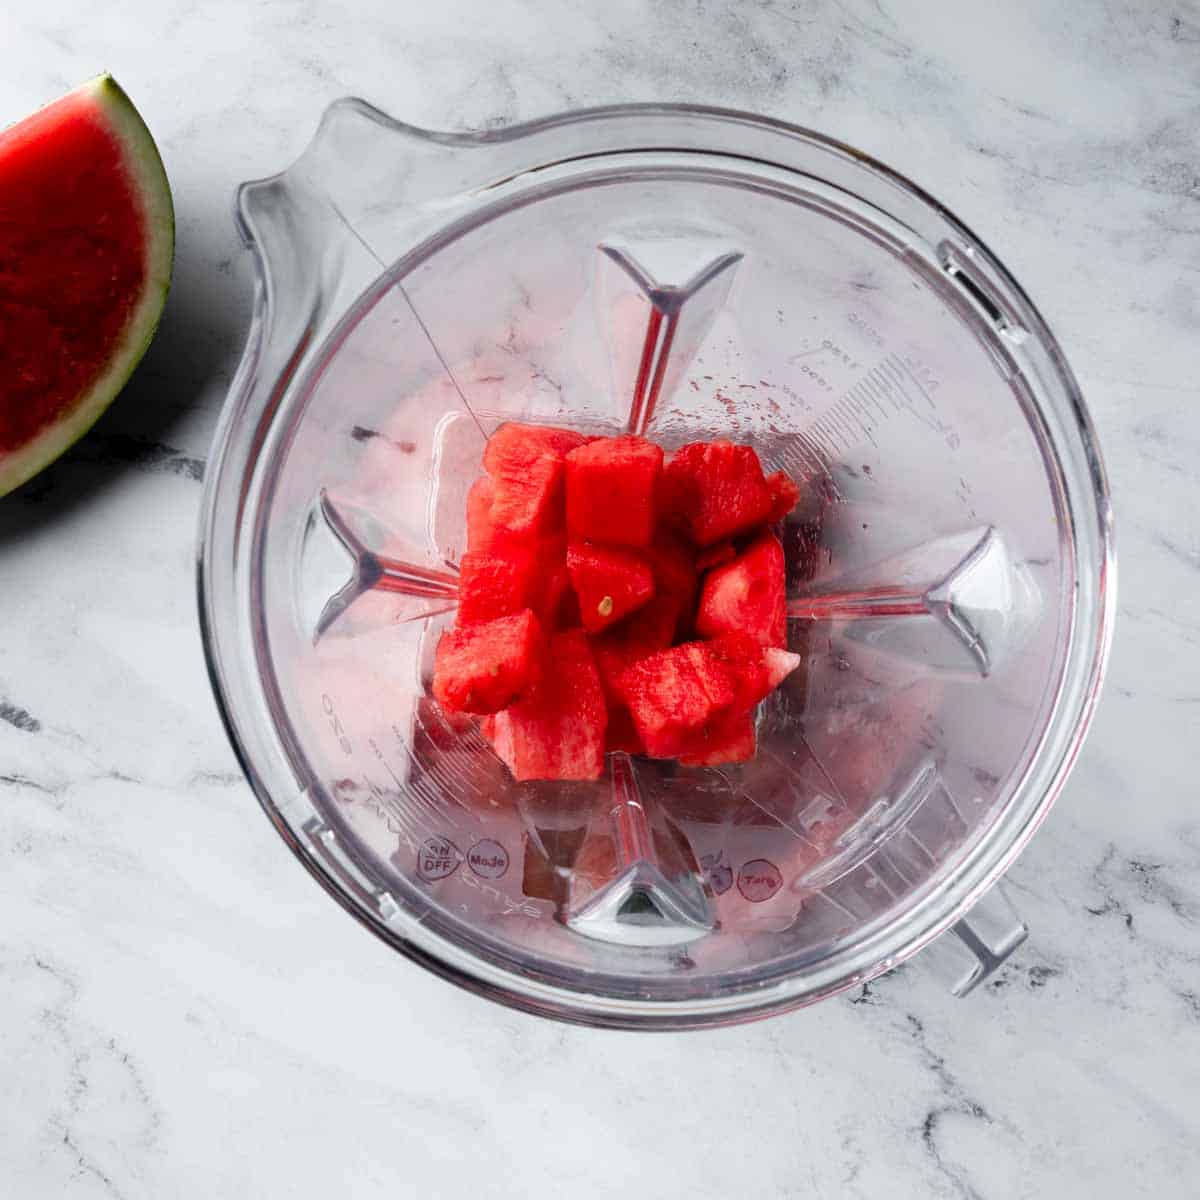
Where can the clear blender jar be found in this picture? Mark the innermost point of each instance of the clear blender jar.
(685, 274)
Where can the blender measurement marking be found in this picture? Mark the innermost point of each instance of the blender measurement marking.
(335, 723)
(394, 819)
(896, 383)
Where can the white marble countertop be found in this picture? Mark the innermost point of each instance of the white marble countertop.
(183, 1013)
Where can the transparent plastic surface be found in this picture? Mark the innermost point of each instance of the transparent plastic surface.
(685, 274)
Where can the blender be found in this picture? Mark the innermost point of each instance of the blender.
(684, 274)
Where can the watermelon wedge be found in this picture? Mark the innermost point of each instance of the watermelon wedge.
(87, 236)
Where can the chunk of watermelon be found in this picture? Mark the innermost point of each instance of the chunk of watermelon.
(621, 733)
(730, 738)
(714, 556)
(514, 447)
(497, 583)
(715, 490)
(516, 573)
(667, 701)
(747, 595)
(785, 495)
(526, 465)
(530, 502)
(609, 583)
(87, 236)
(482, 533)
(674, 575)
(611, 489)
(556, 729)
(741, 659)
(673, 694)
(650, 629)
(483, 668)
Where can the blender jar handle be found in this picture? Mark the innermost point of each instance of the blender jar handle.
(977, 944)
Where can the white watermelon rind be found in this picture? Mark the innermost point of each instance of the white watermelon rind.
(150, 182)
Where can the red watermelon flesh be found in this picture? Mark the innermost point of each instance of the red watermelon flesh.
(715, 490)
(714, 556)
(785, 495)
(496, 583)
(483, 668)
(729, 739)
(556, 730)
(621, 733)
(531, 502)
(86, 243)
(611, 488)
(617, 673)
(482, 532)
(514, 447)
(650, 629)
(673, 694)
(674, 576)
(747, 595)
(513, 574)
(609, 583)
(667, 701)
(526, 463)
(741, 659)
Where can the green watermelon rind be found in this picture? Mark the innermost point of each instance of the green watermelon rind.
(150, 183)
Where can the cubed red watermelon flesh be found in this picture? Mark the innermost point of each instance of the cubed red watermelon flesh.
(674, 694)
(675, 576)
(556, 730)
(715, 490)
(483, 668)
(650, 629)
(612, 485)
(621, 734)
(482, 533)
(667, 700)
(714, 556)
(609, 583)
(785, 495)
(512, 575)
(496, 583)
(526, 465)
(633, 684)
(747, 595)
(86, 243)
(530, 502)
(741, 659)
(728, 739)
(514, 447)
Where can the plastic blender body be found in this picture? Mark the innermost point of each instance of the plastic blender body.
(687, 275)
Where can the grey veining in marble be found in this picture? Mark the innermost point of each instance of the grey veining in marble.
(182, 1013)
